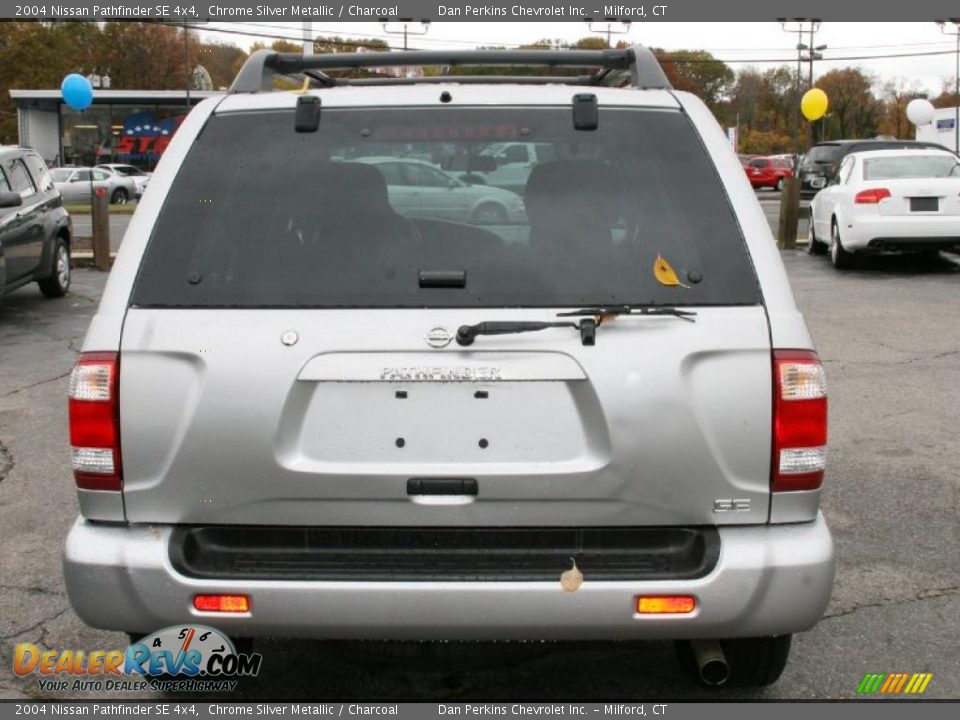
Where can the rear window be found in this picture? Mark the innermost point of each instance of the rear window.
(910, 166)
(759, 163)
(356, 214)
(822, 154)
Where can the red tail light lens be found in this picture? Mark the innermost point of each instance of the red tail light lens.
(222, 603)
(799, 421)
(95, 422)
(871, 197)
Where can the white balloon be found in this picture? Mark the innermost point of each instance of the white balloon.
(920, 112)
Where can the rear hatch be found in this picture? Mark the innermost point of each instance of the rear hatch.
(289, 356)
(918, 185)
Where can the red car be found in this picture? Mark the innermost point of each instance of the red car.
(768, 172)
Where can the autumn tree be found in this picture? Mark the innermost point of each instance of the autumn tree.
(222, 61)
(147, 56)
(897, 94)
(697, 71)
(854, 110)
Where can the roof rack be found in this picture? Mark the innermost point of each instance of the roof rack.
(635, 66)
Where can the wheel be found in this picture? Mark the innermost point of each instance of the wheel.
(119, 197)
(779, 186)
(814, 246)
(841, 259)
(490, 213)
(58, 283)
(753, 662)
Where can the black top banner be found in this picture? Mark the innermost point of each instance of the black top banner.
(191, 11)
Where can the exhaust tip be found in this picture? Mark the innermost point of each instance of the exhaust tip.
(711, 662)
(715, 672)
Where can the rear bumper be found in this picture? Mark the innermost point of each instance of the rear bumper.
(769, 580)
(901, 232)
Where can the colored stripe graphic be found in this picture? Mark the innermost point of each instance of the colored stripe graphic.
(894, 683)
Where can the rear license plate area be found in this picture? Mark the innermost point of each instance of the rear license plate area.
(924, 204)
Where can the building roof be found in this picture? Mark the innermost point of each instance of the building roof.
(23, 97)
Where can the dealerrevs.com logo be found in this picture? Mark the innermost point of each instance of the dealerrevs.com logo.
(182, 658)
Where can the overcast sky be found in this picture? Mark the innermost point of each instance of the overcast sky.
(727, 41)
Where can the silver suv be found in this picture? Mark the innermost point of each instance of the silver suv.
(303, 411)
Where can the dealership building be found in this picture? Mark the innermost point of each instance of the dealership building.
(123, 126)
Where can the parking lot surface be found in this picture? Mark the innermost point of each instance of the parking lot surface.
(890, 340)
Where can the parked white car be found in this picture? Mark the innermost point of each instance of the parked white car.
(888, 200)
(76, 184)
(141, 178)
(418, 189)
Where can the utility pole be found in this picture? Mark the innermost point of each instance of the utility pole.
(797, 25)
(186, 59)
(956, 79)
(624, 27)
(424, 28)
(307, 38)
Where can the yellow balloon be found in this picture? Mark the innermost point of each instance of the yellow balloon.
(813, 105)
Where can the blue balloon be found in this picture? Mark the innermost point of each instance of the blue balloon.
(77, 91)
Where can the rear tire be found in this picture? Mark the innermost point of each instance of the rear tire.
(814, 246)
(841, 259)
(754, 662)
(779, 186)
(57, 284)
(119, 197)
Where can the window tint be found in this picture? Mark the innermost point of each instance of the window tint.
(910, 166)
(759, 163)
(40, 174)
(19, 178)
(81, 176)
(60, 175)
(307, 220)
(823, 154)
(101, 175)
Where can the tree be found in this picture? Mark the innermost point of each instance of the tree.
(147, 56)
(854, 111)
(697, 71)
(222, 61)
(897, 94)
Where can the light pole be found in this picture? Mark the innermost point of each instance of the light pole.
(624, 27)
(956, 78)
(796, 25)
(424, 28)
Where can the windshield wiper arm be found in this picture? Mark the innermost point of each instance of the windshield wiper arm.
(602, 312)
(466, 334)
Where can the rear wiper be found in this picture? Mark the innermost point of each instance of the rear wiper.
(603, 312)
(466, 334)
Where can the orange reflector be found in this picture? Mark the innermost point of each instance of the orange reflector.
(222, 603)
(663, 604)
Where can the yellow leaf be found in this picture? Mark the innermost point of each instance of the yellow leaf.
(571, 579)
(665, 274)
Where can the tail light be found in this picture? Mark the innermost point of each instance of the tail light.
(95, 421)
(799, 421)
(871, 197)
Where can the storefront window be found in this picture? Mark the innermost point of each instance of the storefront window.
(131, 134)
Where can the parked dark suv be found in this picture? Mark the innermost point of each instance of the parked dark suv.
(821, 162)
(35, 228)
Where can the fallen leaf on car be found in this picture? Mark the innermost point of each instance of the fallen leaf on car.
(665, 274)
(571, 579)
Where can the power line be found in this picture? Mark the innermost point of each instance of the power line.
(728, 61)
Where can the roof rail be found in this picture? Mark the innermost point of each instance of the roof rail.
(635, 66)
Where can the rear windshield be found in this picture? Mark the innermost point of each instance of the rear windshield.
(822, 154)
(910, 166)
(366, 211)
(759, 163)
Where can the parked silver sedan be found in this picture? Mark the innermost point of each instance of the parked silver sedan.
(141, 178)
(76, 184)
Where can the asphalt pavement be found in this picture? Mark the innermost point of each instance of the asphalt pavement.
(889, 337)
